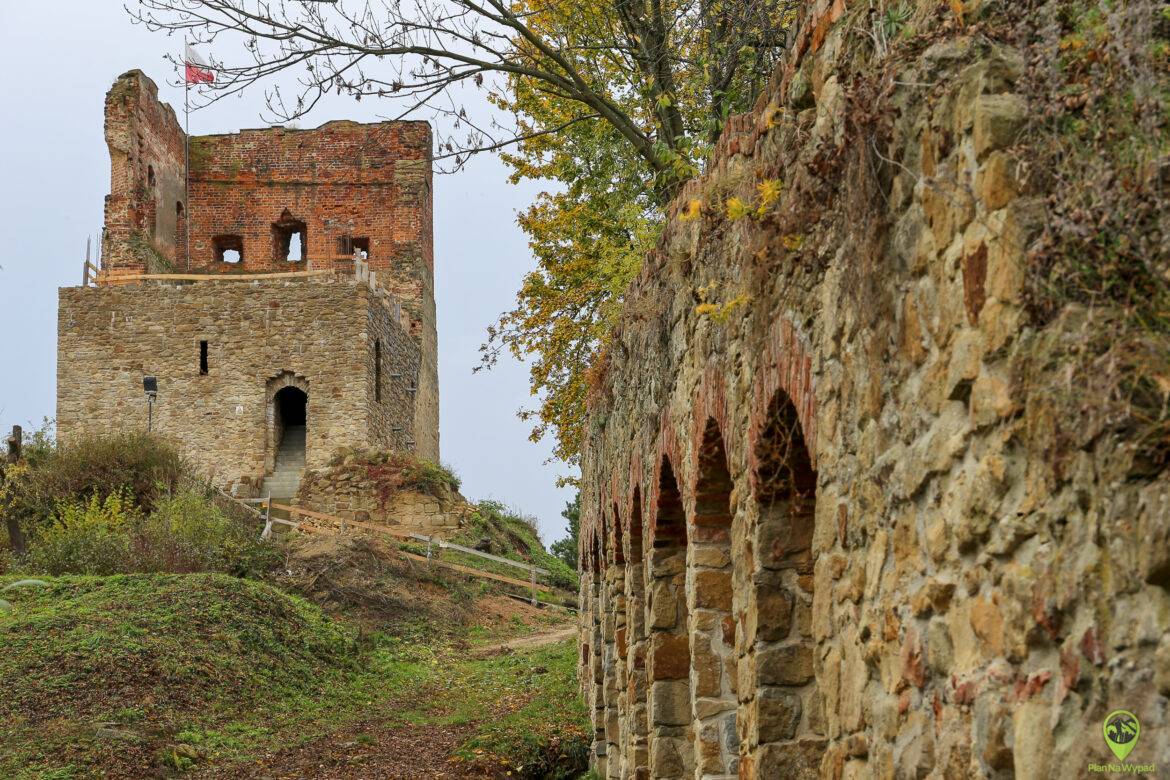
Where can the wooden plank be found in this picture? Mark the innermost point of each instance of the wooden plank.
(452, 546)
(466, 569)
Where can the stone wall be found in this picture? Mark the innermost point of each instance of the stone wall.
(839, 515)
(356, 496)
(317, 334)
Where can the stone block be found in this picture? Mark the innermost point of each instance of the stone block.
(998, 120)
(785, 664)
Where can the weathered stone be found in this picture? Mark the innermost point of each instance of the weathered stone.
(785, 665)
(670, 702)
(778, 714)
(713, 590)
(998, 120)
(670, 657)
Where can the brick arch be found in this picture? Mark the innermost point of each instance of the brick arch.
(668, 453)
(783, 701)
(597, 605)
(785, 364)
(635, 725)
(613, 636)
(709, 403)
(667, 615)
(711, 582)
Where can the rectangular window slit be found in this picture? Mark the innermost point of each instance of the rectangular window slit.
(202, 357)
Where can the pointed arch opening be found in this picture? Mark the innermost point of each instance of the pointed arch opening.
(597, 667)
(669, 659)
(788, 737)
(713, 659)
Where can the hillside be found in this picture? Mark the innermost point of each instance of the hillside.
(164, 637)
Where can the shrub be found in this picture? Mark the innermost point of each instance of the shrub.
(185, 533)
(188, 533)
(86, 538)
(515, 536)
(146, 466)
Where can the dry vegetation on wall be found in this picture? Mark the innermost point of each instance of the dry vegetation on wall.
(1092, 147)
(389, 472)
(1098, 147)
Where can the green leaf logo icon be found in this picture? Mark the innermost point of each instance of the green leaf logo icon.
(1122, 730)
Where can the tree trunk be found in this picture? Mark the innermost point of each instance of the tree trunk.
(15, 535)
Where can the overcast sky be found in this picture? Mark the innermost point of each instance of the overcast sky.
(57, 62)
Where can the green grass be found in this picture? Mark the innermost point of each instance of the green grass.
(133, 675)
(547, 736)
(160, 662)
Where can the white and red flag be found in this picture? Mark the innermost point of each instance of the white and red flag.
(198, 71)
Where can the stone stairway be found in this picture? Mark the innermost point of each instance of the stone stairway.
(284, 480)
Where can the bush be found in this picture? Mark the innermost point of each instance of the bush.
(185, 533)
(86, 538)
(144, 465)
(188, 533)
(513, 535)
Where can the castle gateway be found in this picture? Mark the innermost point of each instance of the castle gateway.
(286, 309)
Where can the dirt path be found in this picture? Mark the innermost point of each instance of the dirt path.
(528, 642)
(383, 746)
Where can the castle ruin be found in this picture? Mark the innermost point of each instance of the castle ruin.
(286, 309)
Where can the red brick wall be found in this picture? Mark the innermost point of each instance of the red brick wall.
(370, 181)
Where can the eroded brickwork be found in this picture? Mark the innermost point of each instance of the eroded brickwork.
(829, 529)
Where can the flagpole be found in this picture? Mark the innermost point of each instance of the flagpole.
(187, 153)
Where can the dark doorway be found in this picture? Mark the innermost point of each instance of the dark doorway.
(291, 415)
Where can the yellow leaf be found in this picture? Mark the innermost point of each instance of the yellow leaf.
(693, 210)
(737, 209)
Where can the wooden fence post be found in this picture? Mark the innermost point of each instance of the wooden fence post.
(532, 580)
(267, 518)
(15, 534)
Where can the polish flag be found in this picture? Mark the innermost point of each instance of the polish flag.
(198, 71)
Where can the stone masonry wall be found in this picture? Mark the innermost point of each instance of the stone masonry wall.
(316, 334)
(360, 498)
(832, 525)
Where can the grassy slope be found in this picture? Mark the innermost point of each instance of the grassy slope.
(138, 670)
(132, 674)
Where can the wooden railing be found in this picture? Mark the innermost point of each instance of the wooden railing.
(267, 505)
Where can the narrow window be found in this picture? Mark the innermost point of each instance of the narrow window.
(228, 249)
(377, 371)
(178, 209)
(202, 357)
(150, 176)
